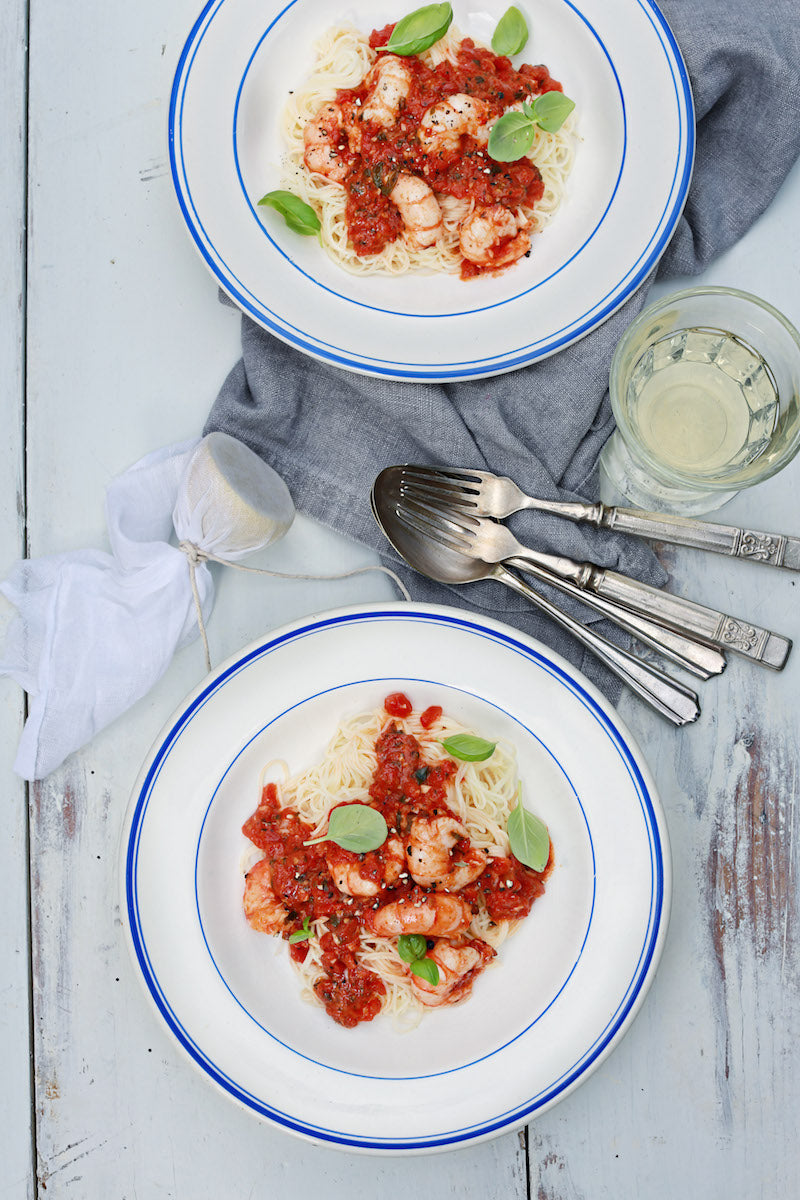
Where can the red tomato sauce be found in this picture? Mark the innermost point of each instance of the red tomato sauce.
(403, 787)
(467, 172)
(508, 888)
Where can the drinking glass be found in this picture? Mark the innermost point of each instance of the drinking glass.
(705, 389)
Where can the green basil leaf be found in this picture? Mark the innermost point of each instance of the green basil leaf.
(530, 841)
(357, 827)
(300, 935)
(411, 947)
(420, 29)
(426, 969)
(551, 110)
(298, 215)
(511, 33)
(468, 748)
(511, 137)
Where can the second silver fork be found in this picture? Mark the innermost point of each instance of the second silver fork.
(492, 543)
(698, 658)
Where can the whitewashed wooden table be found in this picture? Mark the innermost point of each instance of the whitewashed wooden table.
(112, 343)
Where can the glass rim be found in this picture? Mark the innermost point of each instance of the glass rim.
(747, 475)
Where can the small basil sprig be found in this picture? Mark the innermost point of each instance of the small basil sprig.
(426, 968)
(511, 33)
(512, 136)
(355, 827)
(412, 948)
(298, 215)
(300, 935)
(420, 29)
(530, 841)
(468, 748)
(549, 111)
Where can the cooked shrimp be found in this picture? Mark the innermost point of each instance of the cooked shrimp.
(435, 915)
(354, 878)
(262, 907)
(458, 966)
(467, 869)
(428, 847)
(429, 854)
(494, 237)
(323, 141)
(443, 124)
(390, 81)
(419, 209)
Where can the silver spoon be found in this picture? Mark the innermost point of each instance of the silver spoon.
(667, 696)
(491, 541)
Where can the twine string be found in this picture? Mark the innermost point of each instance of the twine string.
(195, 556)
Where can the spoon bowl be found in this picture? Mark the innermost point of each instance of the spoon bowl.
(424, 554)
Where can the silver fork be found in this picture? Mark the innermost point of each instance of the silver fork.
(696, 657)
(487, 495)
(667, 696)
(490, 542)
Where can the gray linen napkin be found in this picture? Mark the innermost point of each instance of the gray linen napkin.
(329, 432)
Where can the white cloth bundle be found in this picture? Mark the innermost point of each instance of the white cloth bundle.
(94, 631)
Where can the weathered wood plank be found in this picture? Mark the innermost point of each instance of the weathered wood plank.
(128, 347)
(15, 1095)
(701, 1097)
(702, 1093)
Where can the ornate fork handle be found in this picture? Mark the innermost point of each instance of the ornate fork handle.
(684, 616)
(773, 549)
(717, 628)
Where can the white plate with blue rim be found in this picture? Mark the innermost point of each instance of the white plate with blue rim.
(562, 991)
(616, 58)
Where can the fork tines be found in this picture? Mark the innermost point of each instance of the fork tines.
(441, 483)
(414, 470)
(447, 527)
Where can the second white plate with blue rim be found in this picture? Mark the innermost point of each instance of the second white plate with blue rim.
(565, 987)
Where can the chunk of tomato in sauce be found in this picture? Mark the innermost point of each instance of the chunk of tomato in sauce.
(397, 704)
(430, 716)
(379, 37)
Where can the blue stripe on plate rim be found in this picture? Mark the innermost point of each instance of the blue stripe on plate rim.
(406, 680)
(488, 365)
(591, 1056)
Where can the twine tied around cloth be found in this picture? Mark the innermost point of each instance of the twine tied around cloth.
(95, 630)
(195, 555)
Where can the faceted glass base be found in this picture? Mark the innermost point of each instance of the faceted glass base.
(624, 481)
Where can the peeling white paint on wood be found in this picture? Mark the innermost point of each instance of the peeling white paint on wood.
(127, 345)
